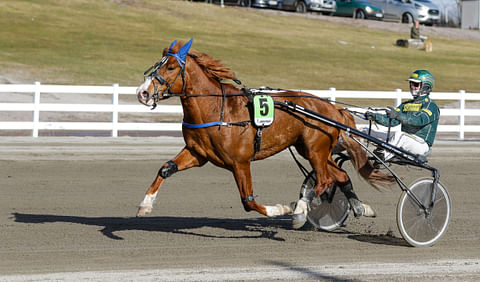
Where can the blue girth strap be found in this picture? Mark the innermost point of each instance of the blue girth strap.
(203, 125)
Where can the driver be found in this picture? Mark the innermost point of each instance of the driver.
(418, 117)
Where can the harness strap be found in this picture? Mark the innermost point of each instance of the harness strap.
(215, 123)
(257, 142)
(203, 125)
(223, 104)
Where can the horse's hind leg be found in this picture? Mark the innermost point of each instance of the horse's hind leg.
(184, 160)
(243, 178)
(344, 183)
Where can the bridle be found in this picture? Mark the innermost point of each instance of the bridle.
(154, 75)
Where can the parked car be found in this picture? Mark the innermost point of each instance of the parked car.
(397, 10)
(246, 3)
(359, 9)
(326, 7)
(428, 12)
(260, 3)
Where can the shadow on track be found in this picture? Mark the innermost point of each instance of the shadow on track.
(382, 239)
(311, 274)
(178, 225)
(260, 227)
(379, 239)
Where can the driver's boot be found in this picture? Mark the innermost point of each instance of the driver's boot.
(358, 207)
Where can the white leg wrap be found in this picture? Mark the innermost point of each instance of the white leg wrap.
(368, 211)
(148, 200)
(278, 210)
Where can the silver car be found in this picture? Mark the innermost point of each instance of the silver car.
(397, 10)
(428, 12)
(326, 7)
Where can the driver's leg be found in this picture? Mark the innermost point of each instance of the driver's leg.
(410, 143)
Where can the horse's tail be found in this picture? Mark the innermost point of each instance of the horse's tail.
(359, 157)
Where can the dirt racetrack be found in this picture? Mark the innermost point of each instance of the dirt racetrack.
(67, 212)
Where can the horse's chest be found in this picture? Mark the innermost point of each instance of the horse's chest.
(202, 144)
(220, 146)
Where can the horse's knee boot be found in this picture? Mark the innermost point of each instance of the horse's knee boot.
(168, 169)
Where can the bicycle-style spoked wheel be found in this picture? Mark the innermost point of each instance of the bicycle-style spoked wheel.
(327, 211)
(416, 227)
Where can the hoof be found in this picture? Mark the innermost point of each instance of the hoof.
(144, 210)
(298, 220)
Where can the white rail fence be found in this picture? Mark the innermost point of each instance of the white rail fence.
(114, 107)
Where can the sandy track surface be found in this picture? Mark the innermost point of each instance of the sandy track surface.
(67, 212)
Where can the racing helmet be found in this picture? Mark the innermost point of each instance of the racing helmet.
(426, 80)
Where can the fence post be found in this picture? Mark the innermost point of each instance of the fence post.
(461, 132)
(115, 111)
(398, 100)
(36, 109)
(332, 94)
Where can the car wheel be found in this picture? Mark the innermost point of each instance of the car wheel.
(245, 3)
(360, 14)
(407, 18)
(301, 7)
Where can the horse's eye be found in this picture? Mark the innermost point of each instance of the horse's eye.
(170, 68)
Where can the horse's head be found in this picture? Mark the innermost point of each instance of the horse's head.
(166, 77)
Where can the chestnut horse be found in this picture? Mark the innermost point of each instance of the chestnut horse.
(217, 128)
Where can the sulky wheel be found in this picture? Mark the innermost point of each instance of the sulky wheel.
(328, 211)
(416, 227)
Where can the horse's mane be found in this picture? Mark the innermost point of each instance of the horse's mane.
(213, 68)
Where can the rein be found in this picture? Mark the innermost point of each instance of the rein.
(248, 92)
(166, 93)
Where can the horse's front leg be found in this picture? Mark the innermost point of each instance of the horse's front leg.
(243, 179)
(184, 160)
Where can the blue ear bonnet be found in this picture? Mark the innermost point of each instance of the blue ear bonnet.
(181, 55)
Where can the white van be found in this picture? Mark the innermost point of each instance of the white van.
(428, 12)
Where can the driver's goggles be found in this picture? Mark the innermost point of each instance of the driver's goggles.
(415, 84)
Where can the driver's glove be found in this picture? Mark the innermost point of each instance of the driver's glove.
(370, 116)
(392, 113)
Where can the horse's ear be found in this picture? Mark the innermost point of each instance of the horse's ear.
(171, 46)
(182, 53)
